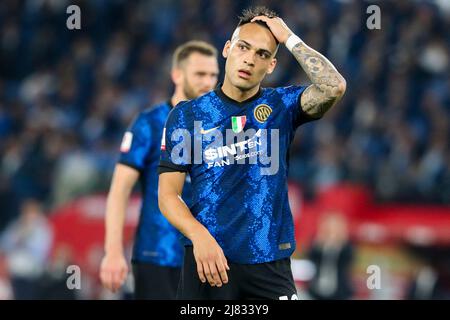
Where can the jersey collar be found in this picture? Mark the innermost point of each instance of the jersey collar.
(226, 98)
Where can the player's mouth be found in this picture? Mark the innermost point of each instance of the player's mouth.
(244, 74)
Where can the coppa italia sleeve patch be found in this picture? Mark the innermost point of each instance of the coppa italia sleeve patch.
(126, 142)
(163, 140)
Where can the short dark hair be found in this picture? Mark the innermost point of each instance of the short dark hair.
(251, 12)
(183, 51)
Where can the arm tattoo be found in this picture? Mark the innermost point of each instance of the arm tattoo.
(328, 86)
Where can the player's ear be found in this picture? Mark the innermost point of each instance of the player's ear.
(272, 65)
(226, 49)
(176, 74)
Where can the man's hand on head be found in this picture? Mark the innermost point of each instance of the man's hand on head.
(277, 26)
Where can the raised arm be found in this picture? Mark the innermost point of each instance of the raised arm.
(328, 85)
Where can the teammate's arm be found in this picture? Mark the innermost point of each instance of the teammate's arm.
(210, 259)
(114, 268)
(328, 85)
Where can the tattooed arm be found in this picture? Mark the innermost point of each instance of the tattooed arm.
(328, 85)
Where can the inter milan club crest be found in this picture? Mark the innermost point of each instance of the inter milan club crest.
(238, 123)
(262, 113)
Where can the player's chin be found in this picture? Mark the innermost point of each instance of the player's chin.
(244, 84)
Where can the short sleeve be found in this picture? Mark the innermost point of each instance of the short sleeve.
(176, 147)
(136, 143)
(291, 97)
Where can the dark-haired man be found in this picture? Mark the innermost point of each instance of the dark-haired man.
(239, 229)
(157, 253)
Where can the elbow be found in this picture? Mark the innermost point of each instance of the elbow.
(162, 200)
(165, 198)
(341, 88)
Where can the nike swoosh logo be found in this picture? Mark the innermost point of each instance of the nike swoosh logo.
(202, 131)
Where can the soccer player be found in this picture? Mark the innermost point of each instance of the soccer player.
(157, 252)
(239, 229)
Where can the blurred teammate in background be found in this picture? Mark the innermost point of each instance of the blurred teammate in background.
(240, 224)
(157, 253)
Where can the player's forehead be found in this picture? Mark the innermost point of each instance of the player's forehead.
(197, 60)
(257, 36)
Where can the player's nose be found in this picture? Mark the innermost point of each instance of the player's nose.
(249, 59)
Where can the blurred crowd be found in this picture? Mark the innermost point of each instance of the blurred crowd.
(67, 96)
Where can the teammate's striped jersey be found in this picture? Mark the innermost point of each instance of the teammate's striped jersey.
(156, 240)
(238, 164)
